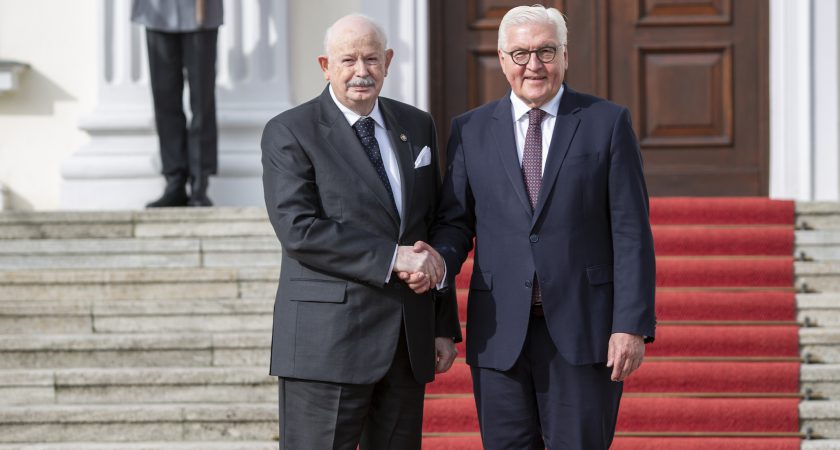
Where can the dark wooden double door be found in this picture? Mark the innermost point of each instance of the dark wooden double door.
(694, 74)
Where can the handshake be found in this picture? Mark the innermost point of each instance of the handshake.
(420, 266)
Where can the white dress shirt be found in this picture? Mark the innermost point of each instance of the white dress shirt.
(389, 159)
(520, 123)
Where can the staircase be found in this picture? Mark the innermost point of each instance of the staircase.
(818, 300)
(137, 330)
(151, 330)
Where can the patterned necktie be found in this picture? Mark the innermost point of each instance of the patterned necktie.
(532, 173)
(532, 156)
(364, 128)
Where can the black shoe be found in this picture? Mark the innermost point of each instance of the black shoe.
(198, 192)
(175, 193)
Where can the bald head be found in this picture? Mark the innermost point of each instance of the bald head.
(356, 61)
(352, 27)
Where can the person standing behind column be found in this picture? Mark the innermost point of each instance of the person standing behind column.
(181, 40)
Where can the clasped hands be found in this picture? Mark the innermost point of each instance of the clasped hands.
(420, 266)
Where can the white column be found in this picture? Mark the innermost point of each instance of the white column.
(804, 162)
(406, 22)
(120, 167)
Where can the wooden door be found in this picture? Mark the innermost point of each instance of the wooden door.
(694, 74)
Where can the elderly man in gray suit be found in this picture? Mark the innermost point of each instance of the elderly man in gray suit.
(181, 38)
(351, 186)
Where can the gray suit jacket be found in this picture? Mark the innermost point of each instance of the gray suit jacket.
(176, 16)
(335, 318)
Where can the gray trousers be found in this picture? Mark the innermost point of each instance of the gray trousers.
(388, 414)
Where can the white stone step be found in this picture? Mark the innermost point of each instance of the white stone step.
(201, 445)
(163, 222)
(813, 444)
(819, 245)
(821, 416)
(126, 316)
(822, 379)
(823, 344)
(140, 384)
(144, 422)
(818, 215)
(99, 253)
(134, 350)
(128, 284)
(820, 310)
(820, 276)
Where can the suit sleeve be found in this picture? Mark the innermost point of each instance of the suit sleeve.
(447, 323)
(454, 228)
(634, 264)
(295, 212)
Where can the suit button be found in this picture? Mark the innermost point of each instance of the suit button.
(528, 284)
(534, 238)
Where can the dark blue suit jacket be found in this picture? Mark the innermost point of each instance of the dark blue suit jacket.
(589, 239)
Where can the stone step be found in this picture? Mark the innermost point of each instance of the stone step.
(141, 385)
(201, 445)
(223, 445)
(163, 222)
(822, 344)
(139, 284)
(134, 350)
(813, 444)
(818, 215)
(143, 422)
(104, 316)
(819, 245)
(819, 310)
(822, 379)
(821, 416)
(255, 251)
(819, 276)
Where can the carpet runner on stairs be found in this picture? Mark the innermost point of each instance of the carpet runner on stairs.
(724, 370)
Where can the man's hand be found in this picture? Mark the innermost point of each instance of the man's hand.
(625, 354)
(421, 267)
(445, 352)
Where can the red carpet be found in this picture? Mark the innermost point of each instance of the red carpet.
(723, 373)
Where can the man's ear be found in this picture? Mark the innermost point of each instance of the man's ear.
(389, 55)
(501, 59)
(324, 62)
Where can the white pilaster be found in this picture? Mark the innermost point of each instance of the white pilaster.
(120, 167)
(406, 22)
(804, 162)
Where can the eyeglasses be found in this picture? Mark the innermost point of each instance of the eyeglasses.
(523, 57)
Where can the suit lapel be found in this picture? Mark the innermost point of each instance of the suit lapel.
(506, 146)
(404, 155)
(565, 127)
(343, 140)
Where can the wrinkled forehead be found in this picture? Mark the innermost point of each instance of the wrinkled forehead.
(355, 42)
(531, 35)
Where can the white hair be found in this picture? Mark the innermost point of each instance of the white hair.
(530, 15)
(380, 32)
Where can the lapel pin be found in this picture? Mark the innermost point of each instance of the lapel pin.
(403, 137)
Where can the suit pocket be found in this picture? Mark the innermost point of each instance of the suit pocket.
(580, 159)
(481, 281)
(319, 291)
(600, 274)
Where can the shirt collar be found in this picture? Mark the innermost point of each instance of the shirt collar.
(352, 117)
(520, 108)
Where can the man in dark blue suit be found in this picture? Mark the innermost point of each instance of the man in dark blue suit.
(549, 183)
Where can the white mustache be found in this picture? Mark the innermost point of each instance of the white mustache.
(361, 82)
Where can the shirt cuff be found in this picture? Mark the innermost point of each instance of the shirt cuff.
(442, 285)
(393, 262)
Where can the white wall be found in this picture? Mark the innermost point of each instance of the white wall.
(38, 122)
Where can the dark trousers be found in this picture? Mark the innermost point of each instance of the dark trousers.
(545, 402)
(184, 150)
(385, 415)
